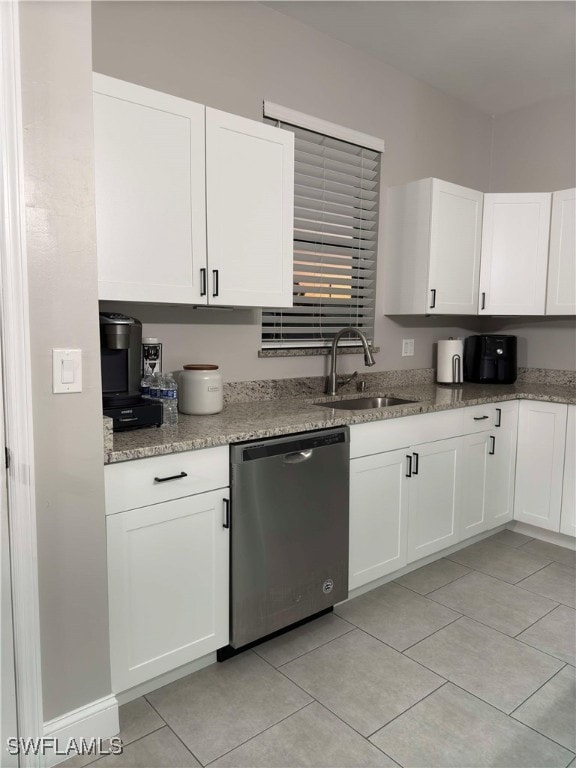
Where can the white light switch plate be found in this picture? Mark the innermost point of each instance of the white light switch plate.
(66, 370)
(407, 347)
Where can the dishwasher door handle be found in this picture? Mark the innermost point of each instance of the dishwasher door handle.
(298, 456)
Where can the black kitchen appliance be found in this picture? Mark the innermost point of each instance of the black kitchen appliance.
(120, 358)
(490, 359)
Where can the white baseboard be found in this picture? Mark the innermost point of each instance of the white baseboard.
(423, 561)
(99, 719)
(541, 533)
(168, 677)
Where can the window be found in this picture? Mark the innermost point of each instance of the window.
(336, 200)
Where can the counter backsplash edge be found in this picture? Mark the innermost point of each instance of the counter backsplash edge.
(274, 389)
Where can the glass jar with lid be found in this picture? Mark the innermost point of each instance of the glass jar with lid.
(200, 391)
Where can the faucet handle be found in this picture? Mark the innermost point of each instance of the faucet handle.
(361, 385)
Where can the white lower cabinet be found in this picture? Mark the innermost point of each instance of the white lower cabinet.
(540, 463)
(378, 516)
(168, 568)
(476, 454)
(568, 512)
(408, 503)
(434, 497)
(501, 466)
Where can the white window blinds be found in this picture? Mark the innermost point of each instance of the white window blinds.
(336, 198)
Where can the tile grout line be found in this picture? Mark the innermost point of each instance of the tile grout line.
(327, 707)
(537, 620)
(400, 714)
(352, 628)
(513, 583)
(510, 637)
(506, 714)
(460, 616)
(128, 744)
(538, 689)
(552, 562)
(489, 626)
(174, 732)
(470, 570)
(256, 735)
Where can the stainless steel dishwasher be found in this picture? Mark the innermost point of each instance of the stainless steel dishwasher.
(289, 531)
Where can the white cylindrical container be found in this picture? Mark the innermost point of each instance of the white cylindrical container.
(200, 392)
(449, 368)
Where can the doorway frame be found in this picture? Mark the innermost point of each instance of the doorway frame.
(17, 389)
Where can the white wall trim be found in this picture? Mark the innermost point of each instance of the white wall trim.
(311, 123)
(15, 332)
(99, 719)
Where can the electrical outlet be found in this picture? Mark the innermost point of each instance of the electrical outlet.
(407, 347)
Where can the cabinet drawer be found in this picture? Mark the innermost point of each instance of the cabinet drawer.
(142, 482)
(479, 418)
(390, 434)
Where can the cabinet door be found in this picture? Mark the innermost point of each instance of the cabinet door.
(150, 196)
(561, 299)
(250, 211)
(474, 472)
(378, 516)
(514, 262)
(502, 465)
(167, 586)
(434, 497)
(455, 231)
(540, 463)
(568, 514)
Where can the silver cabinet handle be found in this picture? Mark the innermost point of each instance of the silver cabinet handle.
(433, 302)
(215, 282)
(483, 306)
(480, 418)
(226, 523)
(498, 417)
(492, 449)
(409, 467)
(416, 462)
(203, 281)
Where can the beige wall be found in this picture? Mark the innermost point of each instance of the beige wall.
(534, 150)
(232, 56)
(60, 231)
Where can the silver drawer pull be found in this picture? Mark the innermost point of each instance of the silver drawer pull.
(480, 418)
(172, 477)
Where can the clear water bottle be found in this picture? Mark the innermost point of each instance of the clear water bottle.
(155, 386)
(169, 395)
(145, 386)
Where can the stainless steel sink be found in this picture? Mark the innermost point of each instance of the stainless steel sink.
(365, 403)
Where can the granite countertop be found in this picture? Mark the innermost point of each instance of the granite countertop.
(268, 418)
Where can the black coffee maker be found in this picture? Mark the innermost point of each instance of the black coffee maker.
(490, 359)
(120, 358)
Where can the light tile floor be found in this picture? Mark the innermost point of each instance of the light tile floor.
(467, 662)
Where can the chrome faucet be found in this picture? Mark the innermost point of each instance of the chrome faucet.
(331, 380)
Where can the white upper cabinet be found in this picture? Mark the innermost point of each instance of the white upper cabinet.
(515, 236)
(150, 197)
(250, 206)
(561, 298)
(193, 205)
(433, 231)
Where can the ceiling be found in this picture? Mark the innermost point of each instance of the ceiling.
(496, 56)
